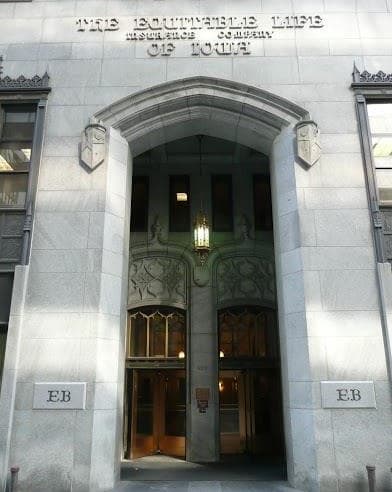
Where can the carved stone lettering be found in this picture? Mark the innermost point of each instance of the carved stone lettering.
(211, 34)
(59, 396)
(92, 149)
(348, 394)
(245, 278)
(157, 278)
(308, 142)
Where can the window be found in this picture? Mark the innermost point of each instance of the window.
(262, 203)
(16, 142)
(243, 331)
(222, 203)
(156, 332)
(139, 207)
(380, 121)
(17, 132)
(374, 111)
(179, 204)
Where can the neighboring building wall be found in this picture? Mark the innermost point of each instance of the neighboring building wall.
(328, 297)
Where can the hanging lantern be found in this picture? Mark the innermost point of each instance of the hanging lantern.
(202, 236)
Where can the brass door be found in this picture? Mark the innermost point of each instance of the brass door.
(158, 413)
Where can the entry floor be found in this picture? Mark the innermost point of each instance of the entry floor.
(235, 474)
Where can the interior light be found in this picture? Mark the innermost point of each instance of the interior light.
(221, 386)
(181, 354)
(221, 354)
(182, 197)
(201, 234)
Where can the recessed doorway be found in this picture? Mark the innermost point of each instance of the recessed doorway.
(250, 403)
(250, 412)
(157, 412)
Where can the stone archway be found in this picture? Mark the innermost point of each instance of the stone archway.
(257, 119)
(215, 107)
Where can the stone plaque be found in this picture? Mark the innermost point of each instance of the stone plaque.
(348, 394)
(59, 396)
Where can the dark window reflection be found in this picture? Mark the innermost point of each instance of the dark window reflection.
(222, 203)
(139, 205)
(262, 203)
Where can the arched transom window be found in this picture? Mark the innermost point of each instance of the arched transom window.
(244, 331)
(156, 332)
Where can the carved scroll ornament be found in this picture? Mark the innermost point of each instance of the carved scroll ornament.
(152, 279)
(93, 146)
(245, 278)
(308, 142)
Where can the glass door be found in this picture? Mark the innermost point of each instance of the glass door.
(231, 412)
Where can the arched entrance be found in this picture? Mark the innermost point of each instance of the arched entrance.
(261, 121)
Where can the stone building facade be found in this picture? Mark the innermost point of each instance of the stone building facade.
(123, 122)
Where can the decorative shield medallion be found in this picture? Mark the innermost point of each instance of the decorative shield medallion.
(308, 142)
(92, 149)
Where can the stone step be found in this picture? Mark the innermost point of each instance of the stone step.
(203, 486)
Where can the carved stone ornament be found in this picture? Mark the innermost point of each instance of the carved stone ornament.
(93, 146)
(157, 278)
(366, 77)
(23, 83)
(378, 77)
(308, 142)
(242, 278)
